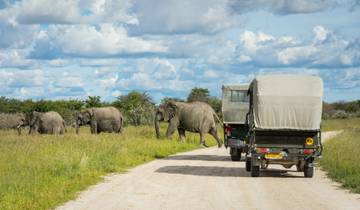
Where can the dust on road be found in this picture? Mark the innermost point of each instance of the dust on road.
(207, 179)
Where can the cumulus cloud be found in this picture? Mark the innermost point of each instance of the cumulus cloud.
(204, 16)
(89, 41)
(69, 11)
(326, 50)
(15, 59)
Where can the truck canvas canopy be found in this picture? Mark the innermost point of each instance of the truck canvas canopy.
(286, 102)
(235, 103)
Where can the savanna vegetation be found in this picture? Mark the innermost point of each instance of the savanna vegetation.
(43, 171)
(340, 156)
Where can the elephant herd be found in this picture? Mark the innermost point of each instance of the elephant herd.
(196, 117)
(104, 119)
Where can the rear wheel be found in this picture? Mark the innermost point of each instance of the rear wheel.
(308, 171)
(248, 164)
(235, 154)
(255, 171)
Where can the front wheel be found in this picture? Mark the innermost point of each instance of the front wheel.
(235, 154)
(308, 171)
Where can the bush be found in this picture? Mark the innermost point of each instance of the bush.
(340, 114)
(137, 108)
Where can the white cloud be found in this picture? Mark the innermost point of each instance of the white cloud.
(186, 16)
(116, 93)
(211, 74)
(293, 54)
(88, 41)
(244, 58)
(252, 41)
(164, 69)
(69, 12)
(14, 58)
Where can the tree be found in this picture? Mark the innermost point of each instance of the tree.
(137, 107)
(216, 104)
(198, 94)
(93, 101)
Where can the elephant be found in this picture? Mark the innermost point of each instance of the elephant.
(103, 119)
(196, 117)
(11, 121)
(44, 123)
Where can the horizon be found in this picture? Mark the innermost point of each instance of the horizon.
(75, 49)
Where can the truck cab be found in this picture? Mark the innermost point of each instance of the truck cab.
(235, 105)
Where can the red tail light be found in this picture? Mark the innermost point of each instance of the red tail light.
(228, 130)
(262, 150)
(308, 151)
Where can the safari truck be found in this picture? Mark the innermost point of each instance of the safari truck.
(235, 106)
(284, 122)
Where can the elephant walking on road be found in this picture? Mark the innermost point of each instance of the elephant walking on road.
(44, 123)
(197, 117)
(104, 119)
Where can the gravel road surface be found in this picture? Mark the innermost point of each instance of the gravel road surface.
(207, 179)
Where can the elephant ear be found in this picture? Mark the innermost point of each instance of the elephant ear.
(90, 112)
(170, 111)
(33, 118)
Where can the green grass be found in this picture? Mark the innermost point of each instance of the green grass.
(43, 171)
(340, 124)
(341, 157)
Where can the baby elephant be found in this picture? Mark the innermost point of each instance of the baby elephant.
(44, 123)
(104, 119)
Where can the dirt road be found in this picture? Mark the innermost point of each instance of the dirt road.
(207, 179)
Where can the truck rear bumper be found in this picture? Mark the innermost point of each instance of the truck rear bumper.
(235, 143)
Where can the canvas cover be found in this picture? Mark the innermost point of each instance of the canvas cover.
(234, 111)
(286, 102)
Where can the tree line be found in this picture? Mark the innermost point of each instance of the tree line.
(137, 107)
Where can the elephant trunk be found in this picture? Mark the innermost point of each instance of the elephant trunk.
(157, 126)
(77, 127)
(19, 129)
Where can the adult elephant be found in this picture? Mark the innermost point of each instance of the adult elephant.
(104, 119)
(197, 117)
(44, 123)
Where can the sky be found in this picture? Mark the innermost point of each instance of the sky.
(79, 48)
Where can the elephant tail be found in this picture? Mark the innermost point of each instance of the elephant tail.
(217, 117)
(121, 124)
(64, 126)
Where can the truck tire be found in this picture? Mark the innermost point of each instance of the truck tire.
(255, 171)
(235, 154)
(308, 171)
(248, 164)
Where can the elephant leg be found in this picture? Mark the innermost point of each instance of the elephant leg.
(213, 132)
(93, 127)
(182, 134)
(173, 125)
(202, 139)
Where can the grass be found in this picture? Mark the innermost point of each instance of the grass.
(43, 171)
(340, 157)
(340, 124)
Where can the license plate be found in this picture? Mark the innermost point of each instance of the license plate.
(273, 156)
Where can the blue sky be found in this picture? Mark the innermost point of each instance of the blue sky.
(76, 48)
